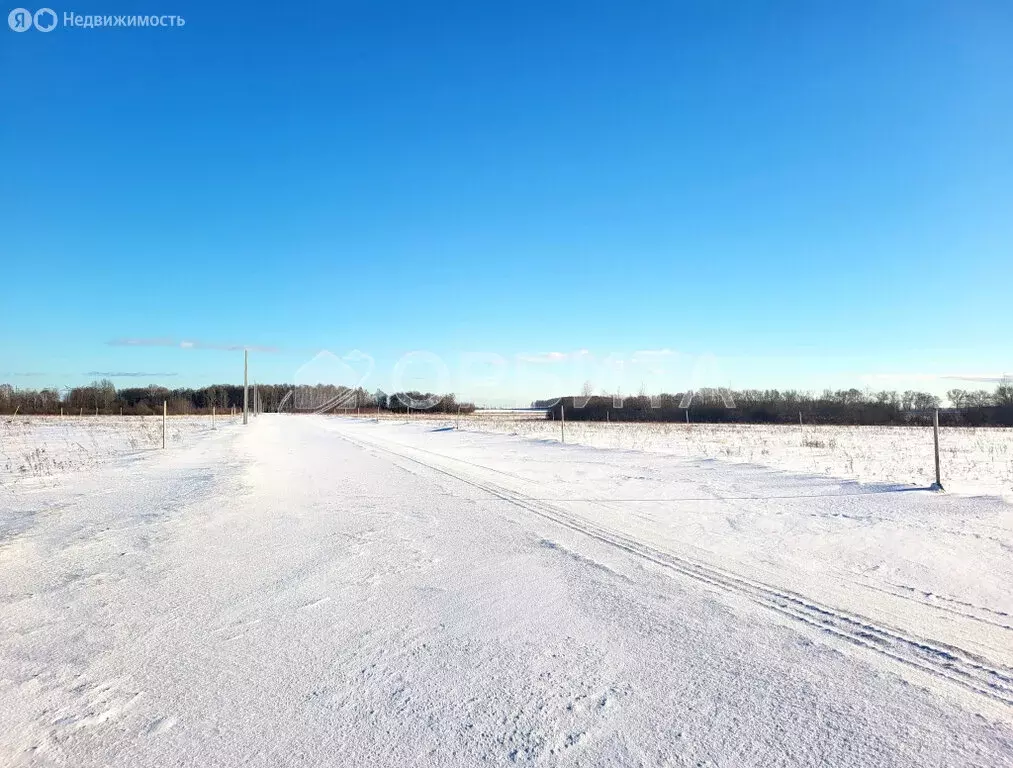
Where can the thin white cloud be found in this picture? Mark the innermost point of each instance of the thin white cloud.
(127, 374)
(895, 377)
(982, 377)
(880, 378)
(553, 357)
(187, 344)
(653, 353)
(546, 357)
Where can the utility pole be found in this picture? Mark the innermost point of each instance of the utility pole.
(246, 388)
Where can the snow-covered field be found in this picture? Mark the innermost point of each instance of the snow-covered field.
(34, 450)
(332, 591)
(972, 460)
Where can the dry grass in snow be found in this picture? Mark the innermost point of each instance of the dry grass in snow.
(973, 460)
(36, 449)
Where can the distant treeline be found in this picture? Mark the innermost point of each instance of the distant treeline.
(751, 406)
(102, 397)
(851, 406)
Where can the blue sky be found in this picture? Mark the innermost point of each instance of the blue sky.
(812, 193)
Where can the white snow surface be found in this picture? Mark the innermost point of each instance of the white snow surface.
(328, 591)
(34, 450)
(973, 461)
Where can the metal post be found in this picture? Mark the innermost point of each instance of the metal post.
(562, 423)
(246, 389)
(935, 434)
(165, 411)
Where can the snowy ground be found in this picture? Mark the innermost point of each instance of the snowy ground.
(326, 591)
(973, 461)
(35, 450)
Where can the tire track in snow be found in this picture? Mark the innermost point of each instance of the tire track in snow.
(942, 661)
(911, 594)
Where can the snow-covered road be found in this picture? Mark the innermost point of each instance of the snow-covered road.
(323, 591)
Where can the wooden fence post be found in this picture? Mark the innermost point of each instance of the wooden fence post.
(935, 435)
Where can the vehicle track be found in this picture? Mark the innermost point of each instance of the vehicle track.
(941, 660)
(911, 595)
